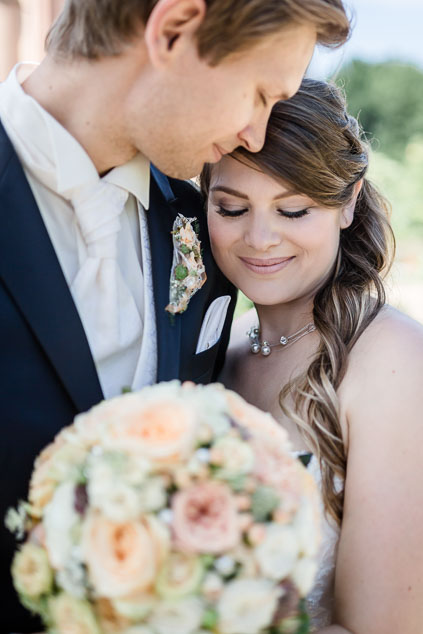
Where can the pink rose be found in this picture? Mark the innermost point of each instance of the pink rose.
(205, 518)
(276, 468)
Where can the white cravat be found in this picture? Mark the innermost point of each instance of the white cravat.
(113, 295)
(106, 306)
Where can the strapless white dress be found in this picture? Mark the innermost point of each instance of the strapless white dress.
(320, 599)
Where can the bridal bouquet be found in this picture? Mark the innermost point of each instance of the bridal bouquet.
(175, 510)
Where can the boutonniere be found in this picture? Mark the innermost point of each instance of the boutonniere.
(188, 273)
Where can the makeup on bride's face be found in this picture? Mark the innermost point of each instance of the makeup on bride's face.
(275, 244)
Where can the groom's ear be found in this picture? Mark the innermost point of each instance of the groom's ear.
(171, 27)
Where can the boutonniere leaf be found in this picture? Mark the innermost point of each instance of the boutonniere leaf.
(188, 273)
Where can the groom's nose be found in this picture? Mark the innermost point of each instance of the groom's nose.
(253, 135)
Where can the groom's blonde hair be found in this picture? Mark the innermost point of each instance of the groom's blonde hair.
(96, 28)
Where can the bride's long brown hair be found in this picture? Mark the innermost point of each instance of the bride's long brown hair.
(316, 148)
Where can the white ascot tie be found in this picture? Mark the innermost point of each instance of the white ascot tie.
(107, 309)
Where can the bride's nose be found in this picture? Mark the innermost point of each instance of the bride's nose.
(260, 235)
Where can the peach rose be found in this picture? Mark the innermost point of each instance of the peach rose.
(159, 430)
(121, 558)
(255, 421)
(205, 518)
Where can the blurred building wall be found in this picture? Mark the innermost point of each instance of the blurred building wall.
(23, 28)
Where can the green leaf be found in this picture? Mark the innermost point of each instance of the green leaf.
(184, 249)
(263, 501)
(181, 272)
(210, 619)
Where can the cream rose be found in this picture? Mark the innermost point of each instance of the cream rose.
(205, 518)
(72, 616)
(60, 461)
(234, 457)
(278, 553)
(247, 606)
(121, 558)
(31, 572)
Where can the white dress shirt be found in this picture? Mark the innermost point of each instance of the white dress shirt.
(56, 164)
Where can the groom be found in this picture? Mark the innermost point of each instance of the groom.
(86, 220)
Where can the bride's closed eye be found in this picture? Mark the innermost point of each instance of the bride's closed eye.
(294, 214)
(234, 213)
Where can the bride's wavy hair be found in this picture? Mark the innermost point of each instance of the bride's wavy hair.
(314, 147)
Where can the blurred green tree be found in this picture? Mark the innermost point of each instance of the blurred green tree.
(387, 98)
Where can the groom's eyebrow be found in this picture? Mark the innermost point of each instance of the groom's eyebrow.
(238, 194)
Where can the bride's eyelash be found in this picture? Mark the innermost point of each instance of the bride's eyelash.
(294, 214)
(222, 211)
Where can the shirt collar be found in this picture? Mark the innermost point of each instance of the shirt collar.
(133, 176)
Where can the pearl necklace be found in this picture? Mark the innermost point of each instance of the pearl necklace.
(265, 347)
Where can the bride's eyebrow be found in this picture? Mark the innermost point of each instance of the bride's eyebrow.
(238, 194)
(229, 190)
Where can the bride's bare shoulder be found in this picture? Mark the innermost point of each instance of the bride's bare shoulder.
(392, 335)
(388, 355)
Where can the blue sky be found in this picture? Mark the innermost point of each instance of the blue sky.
(384, 30)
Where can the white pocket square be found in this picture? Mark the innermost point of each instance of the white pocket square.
(213, 322)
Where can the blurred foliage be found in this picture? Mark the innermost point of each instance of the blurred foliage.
(401, 181)
(387, 98)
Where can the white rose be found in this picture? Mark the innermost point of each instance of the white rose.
(72, 578)
(60, 519)
(304, 574)
(152, 495)
(247, 606)
(233, 457)
(307, 527)
(183, 616)
(277, 554)
(119, 503)
(212, 586)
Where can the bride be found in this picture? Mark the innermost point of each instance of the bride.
(303, 233)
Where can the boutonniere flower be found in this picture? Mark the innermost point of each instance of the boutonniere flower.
(188, 273)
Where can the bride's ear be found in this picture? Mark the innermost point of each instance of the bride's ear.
(171, 28)
(347, 215)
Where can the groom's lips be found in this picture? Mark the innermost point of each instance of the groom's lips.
(219, 152)
(265, 266)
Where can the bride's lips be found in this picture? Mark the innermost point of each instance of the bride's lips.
(265, 266)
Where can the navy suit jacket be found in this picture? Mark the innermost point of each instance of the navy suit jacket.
(47, 374)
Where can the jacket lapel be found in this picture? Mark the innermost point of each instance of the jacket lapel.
(161, 216)
(33, 276)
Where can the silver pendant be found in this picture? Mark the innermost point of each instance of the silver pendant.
(265, 349)
(255, 348)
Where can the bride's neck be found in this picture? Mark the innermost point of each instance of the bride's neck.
(283, 319)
